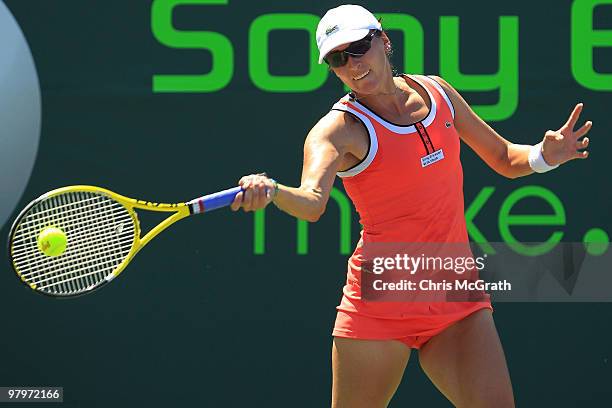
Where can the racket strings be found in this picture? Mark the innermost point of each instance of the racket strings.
(100, 233)
(75, 260)
(44, 214)
(96, 239)
(30, 226)
(26, 248)
(77, 243)
(88, 279)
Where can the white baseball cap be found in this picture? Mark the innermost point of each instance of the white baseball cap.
(343, 25)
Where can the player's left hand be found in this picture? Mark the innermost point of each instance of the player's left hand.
(562, 145)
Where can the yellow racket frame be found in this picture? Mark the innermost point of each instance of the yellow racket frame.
(180, 210)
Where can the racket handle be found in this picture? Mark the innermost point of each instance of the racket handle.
(213, 201)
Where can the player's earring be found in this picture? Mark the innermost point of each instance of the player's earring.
(388, 49)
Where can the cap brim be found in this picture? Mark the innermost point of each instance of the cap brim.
(342, 37)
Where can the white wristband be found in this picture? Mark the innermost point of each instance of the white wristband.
(536, 160)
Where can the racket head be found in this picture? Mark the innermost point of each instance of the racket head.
(102, 232)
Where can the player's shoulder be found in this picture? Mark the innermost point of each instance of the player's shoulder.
(335, 126)
(448, 88)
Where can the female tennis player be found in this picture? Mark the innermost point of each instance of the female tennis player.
(394, 142)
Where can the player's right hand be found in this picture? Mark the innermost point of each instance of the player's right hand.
(257, 193)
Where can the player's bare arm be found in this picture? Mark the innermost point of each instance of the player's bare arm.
(510, 159)
(332, 145)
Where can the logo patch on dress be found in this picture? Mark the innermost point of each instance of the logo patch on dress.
(432, 158)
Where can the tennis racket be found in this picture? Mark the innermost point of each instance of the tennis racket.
(101, 234)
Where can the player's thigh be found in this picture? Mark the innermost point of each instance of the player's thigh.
(366, 373)
(467, 363)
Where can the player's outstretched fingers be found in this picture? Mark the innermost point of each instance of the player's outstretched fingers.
(582, 144)
(584, 129)
(573, 118)
(582, 155)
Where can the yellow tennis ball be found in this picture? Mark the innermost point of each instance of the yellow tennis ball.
(52, 241)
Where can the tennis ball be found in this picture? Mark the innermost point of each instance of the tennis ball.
(52, 241)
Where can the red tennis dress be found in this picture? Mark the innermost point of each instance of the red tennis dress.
(409, 188)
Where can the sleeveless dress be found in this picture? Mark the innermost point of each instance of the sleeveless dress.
(408, 188)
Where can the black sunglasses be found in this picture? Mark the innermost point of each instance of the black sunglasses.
(355, 49)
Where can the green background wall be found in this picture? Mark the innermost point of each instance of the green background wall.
(198, 318)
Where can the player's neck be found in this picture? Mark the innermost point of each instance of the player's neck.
(390, 96)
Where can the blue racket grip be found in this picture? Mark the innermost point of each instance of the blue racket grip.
(213, 201)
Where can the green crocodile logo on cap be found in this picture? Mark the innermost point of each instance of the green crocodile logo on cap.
(331, 30)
